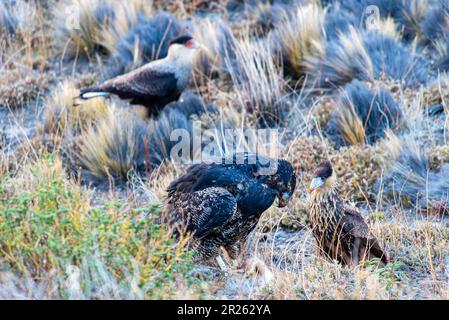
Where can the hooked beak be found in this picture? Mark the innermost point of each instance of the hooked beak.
(196, 45)
(283, 199)
(316, 184)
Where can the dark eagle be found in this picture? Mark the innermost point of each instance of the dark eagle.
(155, 84)
(219, 204)
(339, 229)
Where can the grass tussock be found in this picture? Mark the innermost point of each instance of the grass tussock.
(218, 42)
(363, 114)
(110, 143)
(63, 118)
(300, 37)
(81, 35)
(19, 86)
(259, 80)
(146, 41)
(113, 147)
(345, 59)
(410, 179)
(85, 28)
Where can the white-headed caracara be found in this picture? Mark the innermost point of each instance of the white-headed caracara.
(155, 84)
(339, 229)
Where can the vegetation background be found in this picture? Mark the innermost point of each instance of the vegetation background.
(81, 188)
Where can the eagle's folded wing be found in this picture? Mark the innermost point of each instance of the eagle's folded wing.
(353, 223)
(205, 210)
(201, 176)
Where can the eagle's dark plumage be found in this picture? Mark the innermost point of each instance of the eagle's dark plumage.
(339, 229)
(220, 204)
(155, 84)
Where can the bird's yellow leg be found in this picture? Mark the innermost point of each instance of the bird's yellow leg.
(231, 260)
(355, 252)
(221, 263)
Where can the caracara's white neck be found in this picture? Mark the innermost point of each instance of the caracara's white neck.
(176, 60)
(319, 196)
(179, 62)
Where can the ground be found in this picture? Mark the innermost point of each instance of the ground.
(77, 221)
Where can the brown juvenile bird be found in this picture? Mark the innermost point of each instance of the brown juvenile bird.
(155, 84)
(339, 229)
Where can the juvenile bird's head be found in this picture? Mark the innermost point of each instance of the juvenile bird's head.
(183, 49)
(324, 178)
(283, 181)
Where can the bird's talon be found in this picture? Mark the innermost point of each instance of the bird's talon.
(222, 264)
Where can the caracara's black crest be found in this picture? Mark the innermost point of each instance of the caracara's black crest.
(181, 39)
(323, 170)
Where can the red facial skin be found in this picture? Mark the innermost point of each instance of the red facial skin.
(190, 44)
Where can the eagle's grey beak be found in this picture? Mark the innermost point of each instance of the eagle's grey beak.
(283, 199)
(316, 183)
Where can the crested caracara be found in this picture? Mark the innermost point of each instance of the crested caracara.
(219, 204)
(155, 84)
(339, 229)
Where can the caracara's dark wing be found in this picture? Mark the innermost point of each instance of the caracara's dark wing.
(140, 84)
(203, 211)
(355, 225)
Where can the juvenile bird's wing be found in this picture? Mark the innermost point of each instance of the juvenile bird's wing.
(353, 222)
(205, 210)
(355, 225)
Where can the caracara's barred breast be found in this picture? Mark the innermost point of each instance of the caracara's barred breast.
(327, 219)
(340, 231)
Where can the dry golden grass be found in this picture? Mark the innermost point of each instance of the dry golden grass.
(19, 86)
(261, 89)
(349, 59)
(217, 41)
(125, 18)
(79, 36)
(63, 115)
(300, 37)
(351, 127)
(388, 28)
(96, 28)
(418, 250)
(114, 146)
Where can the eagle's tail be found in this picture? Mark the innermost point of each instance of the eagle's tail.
(92, 92)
